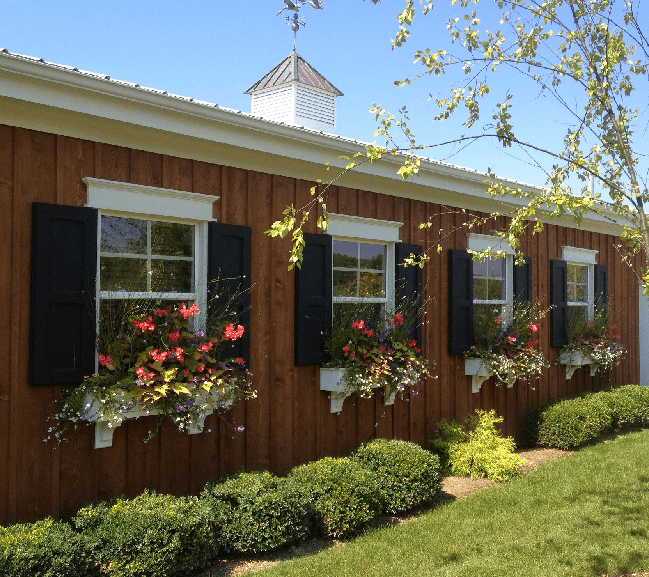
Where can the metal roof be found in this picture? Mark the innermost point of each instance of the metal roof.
(294, 69)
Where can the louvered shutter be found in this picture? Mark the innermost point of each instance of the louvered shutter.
(601, 286)
(559, 302)
(523, 281)
(409, 281)
(460, 321)
(63, 284)
(313, 296)
(228, 276)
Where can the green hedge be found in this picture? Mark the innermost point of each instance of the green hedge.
(345, 496)
(258, 512)
(571, 423)
(408, 475)
(150, 535)
(46, 548)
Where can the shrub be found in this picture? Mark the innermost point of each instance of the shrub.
(345, 496)
(408, 475)
(570, 423)
(450, 434)
(257, 511)
(486, 453)
(46, 548)
(149, 535)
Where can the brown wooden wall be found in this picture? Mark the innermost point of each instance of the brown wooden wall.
(289, 422)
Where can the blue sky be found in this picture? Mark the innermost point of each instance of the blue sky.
(215, 50)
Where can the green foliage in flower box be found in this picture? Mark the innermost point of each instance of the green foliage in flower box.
(408, 475)
(258, 511)
(345, 496)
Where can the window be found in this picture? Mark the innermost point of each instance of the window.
(356, 264)
(577, 285)
(167, 247)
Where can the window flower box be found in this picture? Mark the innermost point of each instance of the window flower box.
(332, 380)
(575, 359)
(121, 409)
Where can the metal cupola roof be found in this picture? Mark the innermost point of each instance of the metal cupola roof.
(294, 69)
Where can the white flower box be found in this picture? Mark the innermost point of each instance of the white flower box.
(575, 359)
(105, 426)
(332, 381)
(479, 373)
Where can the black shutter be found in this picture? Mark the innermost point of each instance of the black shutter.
(409, 281)
(63, 284)
(460, 316)
(559, 302)
(601, 286)
(228, 278)
(313, 295)
(523, 281)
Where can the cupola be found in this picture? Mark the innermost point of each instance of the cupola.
(296, 93)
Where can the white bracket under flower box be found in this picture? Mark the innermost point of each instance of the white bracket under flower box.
(479, 373)
(575, 359)
(332, 381)
(105, 426)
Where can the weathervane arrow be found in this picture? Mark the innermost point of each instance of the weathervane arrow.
(296, 22)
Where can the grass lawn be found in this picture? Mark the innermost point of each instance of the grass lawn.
(585, 514)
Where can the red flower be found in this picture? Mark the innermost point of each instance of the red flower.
(200, 368)
(613, 327)
(206, 346)
(346, 350)
(498, 319)
(146, 325)
(161, 312)
(156, 355)
(534, 328)
(358, 324)
(239, 361)
(231, 333)
(185, 312)
(369, 332)
(398, 320)
(412, 343)
(180, 354)
(512, 339)
(173, 337)
(105, 360)
(185, 372)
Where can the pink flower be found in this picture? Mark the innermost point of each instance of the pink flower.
(231, 333)
(398, 320)
(512, 339)
(534, 328)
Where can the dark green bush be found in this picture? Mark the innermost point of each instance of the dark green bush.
(450, 434)
(345, 496)
(640, 396)
(150, 535)
(258, 512)
(43, 549)
(408, 475)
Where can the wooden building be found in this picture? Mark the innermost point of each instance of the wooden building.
(74, 139)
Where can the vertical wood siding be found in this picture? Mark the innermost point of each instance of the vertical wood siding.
(289, 422)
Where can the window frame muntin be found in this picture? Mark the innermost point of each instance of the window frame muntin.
(582, 257)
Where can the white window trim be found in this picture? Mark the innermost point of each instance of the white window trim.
(485, 242)
(151, 203)
(583, 256)
(371, 231)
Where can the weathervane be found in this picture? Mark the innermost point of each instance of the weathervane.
(296, 21)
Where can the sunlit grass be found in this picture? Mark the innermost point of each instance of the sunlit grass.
(586, 514)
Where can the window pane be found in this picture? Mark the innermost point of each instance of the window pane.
(495, 289)
(172, 276)
(496, 267)
(372, 256)
(344, 283)
(123, 235)
(480, 289)
(571, 293)
(346, 313)
(371, 284)
(345, 254)
(172, 239)
(581, 273)
(580, 293)
(122, 274)
(480, 268)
